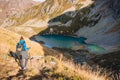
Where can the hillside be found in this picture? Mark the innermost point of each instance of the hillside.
(109, 61)
(35, 19)
(47, 67)
(13, 7)
(9, 40)
(97, 20)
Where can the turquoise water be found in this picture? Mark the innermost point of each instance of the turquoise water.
(95, 48)
(68, 42)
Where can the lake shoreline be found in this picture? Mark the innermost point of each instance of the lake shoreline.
(70, 42)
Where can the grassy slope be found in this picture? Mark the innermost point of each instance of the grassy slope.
(9, 39)
(28, 33)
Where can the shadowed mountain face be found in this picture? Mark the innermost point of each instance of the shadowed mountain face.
(101, 25)
(13, 7)
(109, 61)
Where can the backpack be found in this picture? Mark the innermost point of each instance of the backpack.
(19, 47)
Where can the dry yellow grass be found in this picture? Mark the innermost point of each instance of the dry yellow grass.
(8, 41)
(85, 71)
(24, 30)
(69, 69)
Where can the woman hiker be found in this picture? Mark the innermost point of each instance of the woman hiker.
(22, 52)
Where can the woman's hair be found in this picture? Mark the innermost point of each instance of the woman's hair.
(21, 38)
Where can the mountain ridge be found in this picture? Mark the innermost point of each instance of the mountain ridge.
(39, 15)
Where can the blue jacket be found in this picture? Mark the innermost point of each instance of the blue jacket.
(23, 43)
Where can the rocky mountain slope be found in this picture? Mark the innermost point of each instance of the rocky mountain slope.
(36, 18)
(13, 7)
(97, 20)
(109, 61)
(101, 24)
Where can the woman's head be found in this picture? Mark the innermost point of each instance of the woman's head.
(21, 38)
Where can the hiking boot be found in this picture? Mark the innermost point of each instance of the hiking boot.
(24, 68)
